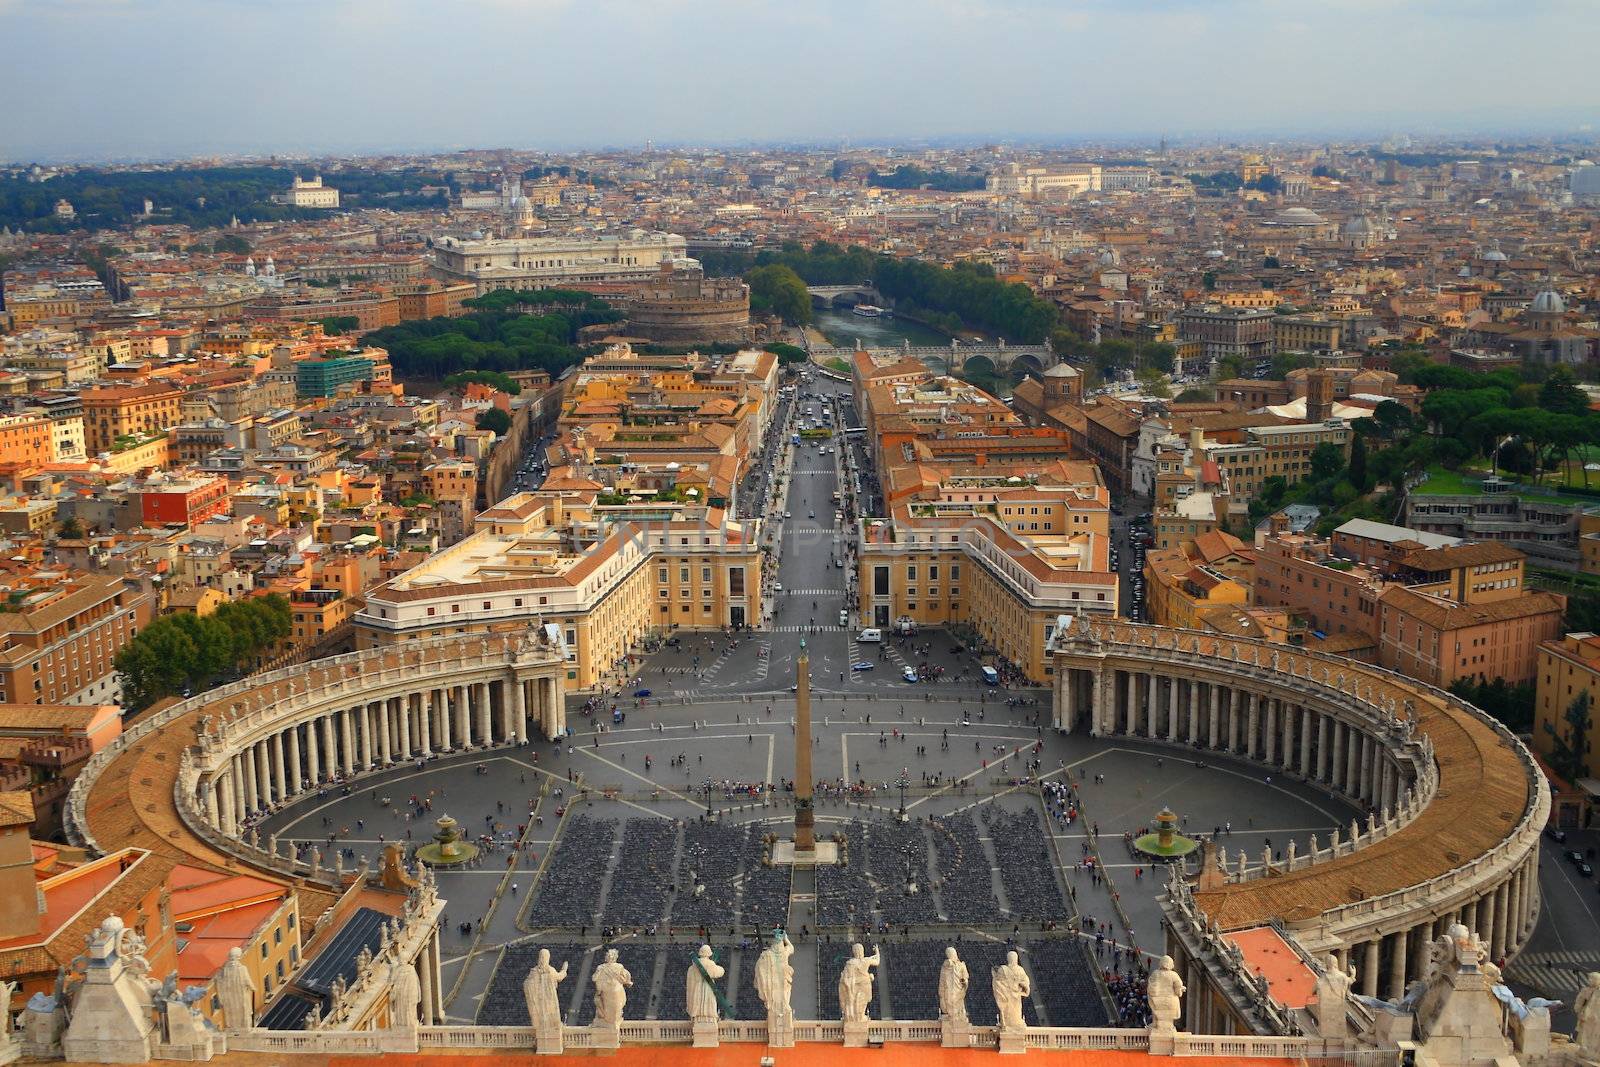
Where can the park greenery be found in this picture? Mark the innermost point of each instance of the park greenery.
(492, 338)
(494, 420)
(966, 296)
(777, 290)
(198, 197)
(911, 176)
(188, 651)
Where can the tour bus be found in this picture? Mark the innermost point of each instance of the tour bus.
(991, 676)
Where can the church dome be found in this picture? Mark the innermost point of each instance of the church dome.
(1548, 303)
(1357, 227)
(1298, 216)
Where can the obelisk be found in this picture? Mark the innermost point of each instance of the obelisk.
(805, 839)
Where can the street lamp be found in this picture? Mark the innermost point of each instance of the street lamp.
(903, 781)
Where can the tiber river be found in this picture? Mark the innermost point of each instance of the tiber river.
(843, 329)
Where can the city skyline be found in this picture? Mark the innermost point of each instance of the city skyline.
(359, 77)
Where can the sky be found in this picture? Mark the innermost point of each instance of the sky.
(108, 79)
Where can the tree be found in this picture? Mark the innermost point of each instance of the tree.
(1152, 382)
(1195, 395)
(232, 242)
(1357, 471)
(71, 528)
(779, 290)
(494, 419)
(1326, 461)
(787, 353)
(1561, 395)
(335, 325)
(1569, 755)
(492, 378)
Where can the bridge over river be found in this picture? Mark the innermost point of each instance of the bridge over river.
(954, 357)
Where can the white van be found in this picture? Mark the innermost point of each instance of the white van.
(869, 636)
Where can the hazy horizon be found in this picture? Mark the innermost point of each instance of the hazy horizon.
(174, 79)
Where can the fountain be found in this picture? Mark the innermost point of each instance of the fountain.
(447, 849)
(1166, 844)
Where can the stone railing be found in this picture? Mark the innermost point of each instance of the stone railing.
(76, 819)
(681, 1032)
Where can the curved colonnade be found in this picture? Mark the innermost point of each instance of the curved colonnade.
(1455, 803)
(187, 781)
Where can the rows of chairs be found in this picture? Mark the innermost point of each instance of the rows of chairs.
(569, 889)
(1027, 868)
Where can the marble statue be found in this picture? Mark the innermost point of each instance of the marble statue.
(1333, 991)
(1587, 1009)
(611, 983)
(544, 1002)
(775, 978)
(236, 992)
(405, 996)
(953, 982)
(7, 990)
(1010, 984)
(1165, 991)
(855, 984)
(700, 988)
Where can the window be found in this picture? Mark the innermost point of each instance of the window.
(880, 581)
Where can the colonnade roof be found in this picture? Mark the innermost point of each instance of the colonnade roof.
(131, 803)
(1484, 790)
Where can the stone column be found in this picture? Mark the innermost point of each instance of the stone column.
(519, 706)
(213, 803)
(313, 761)
(1133, 705)
(440, 705)
(385, 721)
(1255, 720)
(1502, 932)
(1269, 724)
(425, 722)
(363, 732)
(464, 718)
(480, 703)
(296, 783)
(227, 819)
(1369, 969)
(1305, 743)
(280, 768)
(330, 750)
(1236, 699)
(263, 776)
(555, 703)
(402, 707)
(1484, 909)
(1216, 709)
(347, 743)
(1152, 711)
(1174, 708)
(241, 796)
(1066, 701)
(1194, 711)
(1397, 966)
(1324, 753)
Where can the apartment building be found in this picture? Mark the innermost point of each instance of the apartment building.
(61, 635)
(1004, 553)
(1222, 331)
(114, 412)
(559, 557)
(1568, 669)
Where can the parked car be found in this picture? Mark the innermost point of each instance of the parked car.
(862, 665)
(909, 675)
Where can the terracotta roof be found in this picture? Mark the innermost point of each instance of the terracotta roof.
(1447, 615)
(1474, 554)
(1483, 793)
(16, 809)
